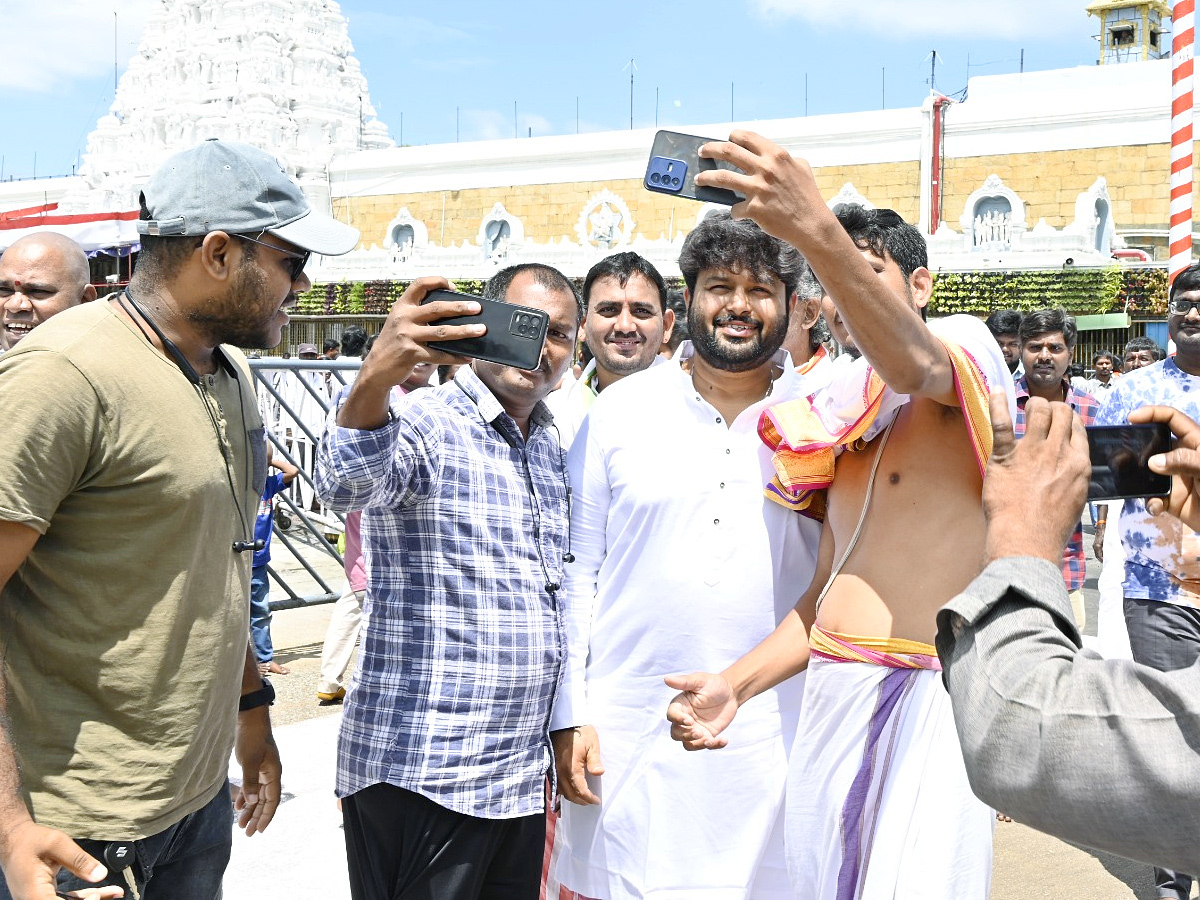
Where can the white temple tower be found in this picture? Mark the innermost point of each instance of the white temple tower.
(279, 74)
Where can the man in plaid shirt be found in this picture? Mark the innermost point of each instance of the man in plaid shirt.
(1047, 344)
(444, 748)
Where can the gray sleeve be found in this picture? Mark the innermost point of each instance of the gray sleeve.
(1100, 752)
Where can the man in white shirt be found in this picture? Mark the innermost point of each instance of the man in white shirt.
(625, 322)
(677, 552)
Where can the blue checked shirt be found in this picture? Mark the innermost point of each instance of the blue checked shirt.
(464, 523)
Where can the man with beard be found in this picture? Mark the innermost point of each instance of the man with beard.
(1162, 554)
(878, 800)
(1047, 342)
(693, 545)
(41, 274)
(624, 322)
(124, 524)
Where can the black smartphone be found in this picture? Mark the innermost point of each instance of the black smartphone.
(675, 162)
(514, 336)
(1119, 457)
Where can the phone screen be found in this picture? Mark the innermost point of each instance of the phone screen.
(1119, 455)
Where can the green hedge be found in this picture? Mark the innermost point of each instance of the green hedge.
(1143, 291)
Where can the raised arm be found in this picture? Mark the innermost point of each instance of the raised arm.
(708, 701)
(783, 198)
(403, 342)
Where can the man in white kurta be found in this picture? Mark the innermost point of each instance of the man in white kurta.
(677, 554)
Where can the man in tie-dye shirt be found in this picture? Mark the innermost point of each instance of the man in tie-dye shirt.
(1162, 555)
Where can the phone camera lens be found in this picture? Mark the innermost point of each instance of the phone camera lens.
(674, 182)
(655, 177)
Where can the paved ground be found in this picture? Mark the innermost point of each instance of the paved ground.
(303, 856)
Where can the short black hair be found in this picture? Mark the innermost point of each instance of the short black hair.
(1047, 321)
(354, 338)
(1144, 343)
(1187, 280)
(547, 276)
(159, 259)
(1003, 321)
(886, 234)
(331, 344)
(622, 266)
(370, 342)
(721, 242)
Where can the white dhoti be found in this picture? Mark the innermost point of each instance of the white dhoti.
(878, 804)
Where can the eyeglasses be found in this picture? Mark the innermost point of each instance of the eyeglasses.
(295, 262)
(1181, 307)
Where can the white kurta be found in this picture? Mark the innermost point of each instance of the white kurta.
(681, 564)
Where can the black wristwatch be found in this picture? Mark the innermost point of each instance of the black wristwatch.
(264, 696)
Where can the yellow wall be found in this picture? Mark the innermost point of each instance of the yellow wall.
(1138, 183)
(552, 210)
(1048, 182)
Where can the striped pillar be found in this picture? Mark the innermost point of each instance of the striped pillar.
(1183, 38)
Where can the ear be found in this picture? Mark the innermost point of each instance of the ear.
(687, 297)
(921, 282)
(217, 255)
(668, 323)
(810, 311)
(88, 294)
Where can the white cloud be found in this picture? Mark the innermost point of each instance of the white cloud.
(53, 44)
(935, 18)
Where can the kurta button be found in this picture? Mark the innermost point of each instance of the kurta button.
(718, 420)
(716, 521)
(726, 451)
(722, 484)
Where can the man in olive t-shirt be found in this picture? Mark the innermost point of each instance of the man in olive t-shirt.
(134, 457)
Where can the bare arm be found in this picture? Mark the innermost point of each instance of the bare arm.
(708, 702)
(783, 198)
(30, 854)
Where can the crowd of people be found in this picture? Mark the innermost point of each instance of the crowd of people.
(782, 521)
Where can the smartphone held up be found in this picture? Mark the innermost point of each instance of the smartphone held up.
(514, 337)
(1120, 454)
(675, 162)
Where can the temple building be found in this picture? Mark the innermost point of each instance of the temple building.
(1034, 172)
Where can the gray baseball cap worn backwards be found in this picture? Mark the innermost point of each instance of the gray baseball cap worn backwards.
(225, 186)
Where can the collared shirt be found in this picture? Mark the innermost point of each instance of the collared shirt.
(571, 403)
(681, 563)
(462, 643)
(1162, 555)
(1074, 562)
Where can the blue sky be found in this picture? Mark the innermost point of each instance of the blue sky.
(453, 69)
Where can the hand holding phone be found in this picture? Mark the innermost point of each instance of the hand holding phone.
(513, 335)
(1120, 456)
(675, 162)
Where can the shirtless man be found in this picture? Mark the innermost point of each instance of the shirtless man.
(878, 800)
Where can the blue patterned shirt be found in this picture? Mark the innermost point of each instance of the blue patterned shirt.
(1162, 556)
(1074, 564)
(464, 524)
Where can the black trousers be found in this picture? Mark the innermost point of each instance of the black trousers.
(402, 846)
(1164, 637)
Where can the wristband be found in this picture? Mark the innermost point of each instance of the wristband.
(264, 696)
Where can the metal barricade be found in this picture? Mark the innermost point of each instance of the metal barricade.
(294, 403)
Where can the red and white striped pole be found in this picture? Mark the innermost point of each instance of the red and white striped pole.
(1183, 38)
